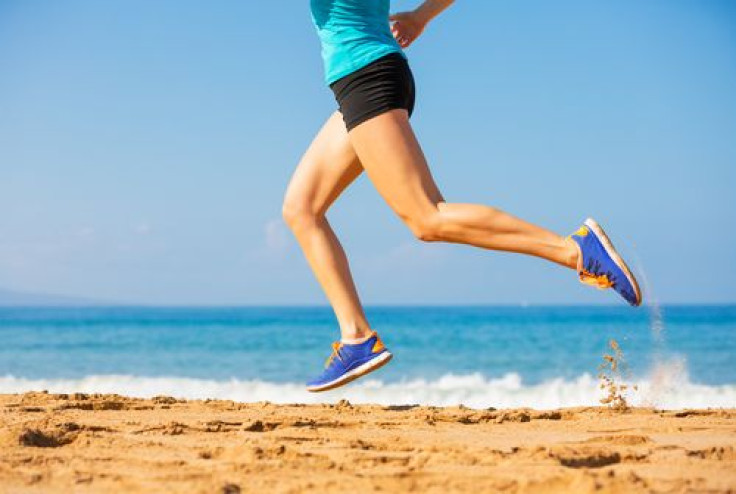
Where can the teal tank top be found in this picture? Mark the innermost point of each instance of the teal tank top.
(353, 34)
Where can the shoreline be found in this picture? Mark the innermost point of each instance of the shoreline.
(112, 443)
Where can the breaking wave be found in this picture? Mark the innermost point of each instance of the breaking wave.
(667, 388)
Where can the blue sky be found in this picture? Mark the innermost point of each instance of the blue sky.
(145, 147)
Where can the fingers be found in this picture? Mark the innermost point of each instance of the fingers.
(402, 34)
(404, 41)
(400, 39)
(404, 28)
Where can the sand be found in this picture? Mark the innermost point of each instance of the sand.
(109, 443)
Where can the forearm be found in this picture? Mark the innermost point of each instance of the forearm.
(429, 9)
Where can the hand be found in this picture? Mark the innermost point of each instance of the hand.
(406, 27)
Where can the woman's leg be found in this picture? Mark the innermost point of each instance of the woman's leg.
(327, 168)
(394, 161)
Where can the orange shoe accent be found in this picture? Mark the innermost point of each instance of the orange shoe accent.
(335, 353)
(378, 346)
(600, 281)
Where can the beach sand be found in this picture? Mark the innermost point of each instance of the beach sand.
(110, 443)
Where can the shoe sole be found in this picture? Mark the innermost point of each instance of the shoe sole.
(611, 251)
(354, 374)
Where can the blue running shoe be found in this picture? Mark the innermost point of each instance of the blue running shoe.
(349, 362)
(601, 266)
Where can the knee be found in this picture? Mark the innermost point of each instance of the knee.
(426, 227)
(297, 211)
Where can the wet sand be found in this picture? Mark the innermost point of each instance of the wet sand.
(109, 443)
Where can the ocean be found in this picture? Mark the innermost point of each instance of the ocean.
(538, 357)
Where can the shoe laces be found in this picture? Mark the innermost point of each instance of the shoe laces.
(335, 353)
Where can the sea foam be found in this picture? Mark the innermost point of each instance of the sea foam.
(472, 390)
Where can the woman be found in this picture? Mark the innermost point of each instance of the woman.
(368, 72)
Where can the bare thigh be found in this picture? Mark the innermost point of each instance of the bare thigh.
(328, 166)
(394, 161)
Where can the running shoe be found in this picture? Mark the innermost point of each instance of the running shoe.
(601, 266)
(349, 362)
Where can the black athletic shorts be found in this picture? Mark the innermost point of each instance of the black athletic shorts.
(382, 85)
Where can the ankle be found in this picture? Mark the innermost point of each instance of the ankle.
(356, 341)
(572, 254)
(356, 333)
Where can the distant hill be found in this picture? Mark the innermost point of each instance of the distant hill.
(9, 298)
